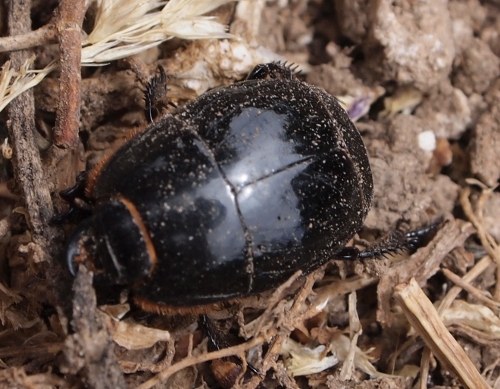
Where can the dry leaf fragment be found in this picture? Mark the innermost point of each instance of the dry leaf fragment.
(476, 316)
(135, 336)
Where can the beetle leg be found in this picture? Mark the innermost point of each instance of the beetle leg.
(273, 70)
(75, 197)
(156, 90)
(218, 341)
(348, 254)
(418, 238)
(396, 242)
(76, 191)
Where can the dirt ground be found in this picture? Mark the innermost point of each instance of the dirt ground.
(421, 81)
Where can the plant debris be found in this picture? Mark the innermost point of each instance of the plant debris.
(421, 80)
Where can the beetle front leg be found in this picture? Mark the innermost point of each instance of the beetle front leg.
(76, 198)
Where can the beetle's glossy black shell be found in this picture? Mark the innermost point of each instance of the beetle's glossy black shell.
(237, 190)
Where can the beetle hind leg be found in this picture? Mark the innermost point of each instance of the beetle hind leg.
(395, 242)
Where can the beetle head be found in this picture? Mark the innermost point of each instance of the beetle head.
(112, 242)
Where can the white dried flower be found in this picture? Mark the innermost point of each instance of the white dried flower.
(123, 28)
(13, 83)
(302, 360)
(476, 316)
(127, 27)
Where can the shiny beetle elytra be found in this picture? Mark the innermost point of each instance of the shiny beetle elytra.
(227, 196)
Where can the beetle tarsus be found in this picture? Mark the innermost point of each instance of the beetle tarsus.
(418, 238)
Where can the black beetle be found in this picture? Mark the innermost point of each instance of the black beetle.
(227, 196)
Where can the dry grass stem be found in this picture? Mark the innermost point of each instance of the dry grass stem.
(281, 331)
(473, 273)
(425, 367)
(424, 318)
(486, 239)
(343, 287)
(255, 327)
(355, 330)
(445, 303)
(478, 294)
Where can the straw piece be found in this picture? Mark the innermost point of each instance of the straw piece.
(425, 320)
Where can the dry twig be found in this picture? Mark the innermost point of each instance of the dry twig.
(424, 318)
(472, 274)
(478, 294)
(69, 26)
(486, 239)
(89, 350)
(43, 36)
(27, 163)
(445, 303)
(355, 331)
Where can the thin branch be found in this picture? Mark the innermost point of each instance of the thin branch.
(194, 360)
(471, 275)
(43, 36)
(27, 164)
(478, 294)
(486, 239)
(69, 25)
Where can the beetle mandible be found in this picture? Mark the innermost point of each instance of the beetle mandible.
(227, 196)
